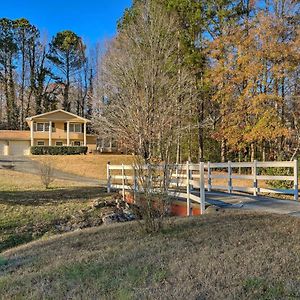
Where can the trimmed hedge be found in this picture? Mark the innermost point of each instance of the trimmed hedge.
(58, 150)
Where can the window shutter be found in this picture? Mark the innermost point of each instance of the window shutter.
(65, 126)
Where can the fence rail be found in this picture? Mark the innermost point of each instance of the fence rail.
(189, 180)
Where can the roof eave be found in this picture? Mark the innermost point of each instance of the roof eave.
(58, 110)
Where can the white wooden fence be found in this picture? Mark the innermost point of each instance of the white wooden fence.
(189, 180)
(254, 175)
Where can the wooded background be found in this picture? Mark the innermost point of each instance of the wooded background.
(38, 76)
(205, 80)
(182, 80)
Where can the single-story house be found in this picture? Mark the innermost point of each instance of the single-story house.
(54, 128)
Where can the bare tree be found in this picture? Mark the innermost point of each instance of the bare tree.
(139, 84)
(47, 173)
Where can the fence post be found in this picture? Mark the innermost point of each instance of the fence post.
(188, 200)
(208, 177)
(123, 182)
(202, 189)
(254, 173)
(296, 179)
(108, 177)
(135, 185)
(229, 178)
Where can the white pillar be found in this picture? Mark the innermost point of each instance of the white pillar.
(102, 144)
(50, 133)
(31, 134)
(84, 134)
(110, 145)
(68, 133)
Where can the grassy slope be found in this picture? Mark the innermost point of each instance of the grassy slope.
(228, 256)
(93, 166)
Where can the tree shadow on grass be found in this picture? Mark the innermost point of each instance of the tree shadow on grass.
(51, 195)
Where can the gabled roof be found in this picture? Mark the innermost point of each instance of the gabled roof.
(55, 111)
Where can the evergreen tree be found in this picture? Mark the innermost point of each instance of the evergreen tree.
(67, 53)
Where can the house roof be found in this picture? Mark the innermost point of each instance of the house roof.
(17, 135)
(56, 111)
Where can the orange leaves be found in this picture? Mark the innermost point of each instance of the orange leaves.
(250, 67)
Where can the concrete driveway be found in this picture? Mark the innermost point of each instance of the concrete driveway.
(248, 202)
(25, 165)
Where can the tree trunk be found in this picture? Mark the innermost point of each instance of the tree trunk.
(223, 150)
(252, 149)
(263, 150)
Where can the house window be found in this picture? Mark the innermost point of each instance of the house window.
(58, 143)
(74, 127)
(76, 143)
(77, 127)
(41, 127)
(40, 143)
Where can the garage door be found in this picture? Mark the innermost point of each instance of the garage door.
(19, 148)
(3, 148)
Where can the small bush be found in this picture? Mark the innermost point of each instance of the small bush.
(151, 194)
(47, 174)
(58, 150)
(279, 184)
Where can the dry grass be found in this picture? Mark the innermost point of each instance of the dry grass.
(227, 256)
(24, 201)
(93, 166)
(236, 182)
(28, 215)
(17, 181)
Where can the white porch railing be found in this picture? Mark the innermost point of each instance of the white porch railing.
(189, 180)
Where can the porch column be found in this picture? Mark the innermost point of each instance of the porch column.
(31, 134)
(84, 134)
(110, 145)
(68, 133)
(50, 133)
(102, 144)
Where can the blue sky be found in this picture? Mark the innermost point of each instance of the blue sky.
(94, 20)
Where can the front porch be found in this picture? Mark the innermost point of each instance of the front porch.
(57, 134)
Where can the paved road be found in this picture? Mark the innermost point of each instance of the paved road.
(26, 165)
(260, 203)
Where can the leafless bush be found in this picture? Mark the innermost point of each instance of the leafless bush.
(152, 199)
(47, 173)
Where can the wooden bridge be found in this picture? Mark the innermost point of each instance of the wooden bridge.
(212, 183)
